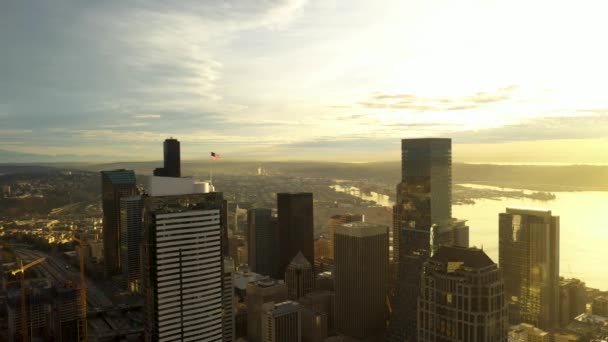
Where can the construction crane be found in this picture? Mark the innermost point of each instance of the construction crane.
(21, 269)
(82, 330)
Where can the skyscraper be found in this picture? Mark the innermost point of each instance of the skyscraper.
(337, 220)
(529, 257)
(172, 160)
(573, 300)
(183, 276)
(462, 298)
(295, 227)
(258, 293)
(115, 185)
(299, 277)
(132, 229)
(171, 152)
(281, 322)
(263, 246)
(229, 303)
(423, 208)
(361, 279)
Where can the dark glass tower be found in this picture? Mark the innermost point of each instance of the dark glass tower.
(295, 227)
(423, 208)
(262, 244)
(115, 185)
(528, 254)
(172, 158)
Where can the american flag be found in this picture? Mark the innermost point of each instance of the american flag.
(215, 156)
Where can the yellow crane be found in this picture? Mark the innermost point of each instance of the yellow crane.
(21, 269)
(82, 331)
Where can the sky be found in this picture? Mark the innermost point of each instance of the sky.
(513, 81)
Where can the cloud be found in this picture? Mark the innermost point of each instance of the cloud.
(434, 104)
(546, 128)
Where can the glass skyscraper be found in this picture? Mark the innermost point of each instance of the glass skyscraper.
(423, 209)
(528, 248)
(115, 185)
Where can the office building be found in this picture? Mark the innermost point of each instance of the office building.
(229, 302)
(131, 209)
(281, 322)
(528, 250)
(423, 206)
(337, 220)
(183, 277)
(295, 227)
(172, 160)
(462, 298)
(599, 306)
(361, 279)
(314, 325)
(320, 302)
(263, 246)
(38, 308)
(115, 185)
(263, 291)
(299, 277)
(67, 315)
(572, 300)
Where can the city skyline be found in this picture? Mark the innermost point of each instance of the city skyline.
(279, 79)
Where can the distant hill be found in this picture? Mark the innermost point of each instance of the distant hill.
(12, 157)
(544, 178)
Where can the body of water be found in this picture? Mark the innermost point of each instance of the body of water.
(583, 227)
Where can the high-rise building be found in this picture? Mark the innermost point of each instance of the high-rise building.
(314, 325)
(295, 227)
(131, 209)
(599, 306)
(529, 258)
(573, 300)
(258, 293)
(172, 160)
(229, 302)
(115, 185)
(337, 220)
(423, 206)
(183, 277)
(66, 314)
(299, 277)
(320, 302)
(281, 322)
(462, 298)
(361, 279)
(263, 246)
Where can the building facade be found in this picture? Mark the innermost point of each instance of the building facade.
(281, 322)
(423, 207)
(529, 259)
(183, 276)
(295, 227)
(337, 220)
(131, 223)
(573, 300)
(262, 244)
(361, 279)
(299, 277)
(462, 298)
(115, 185)
(258, 293)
